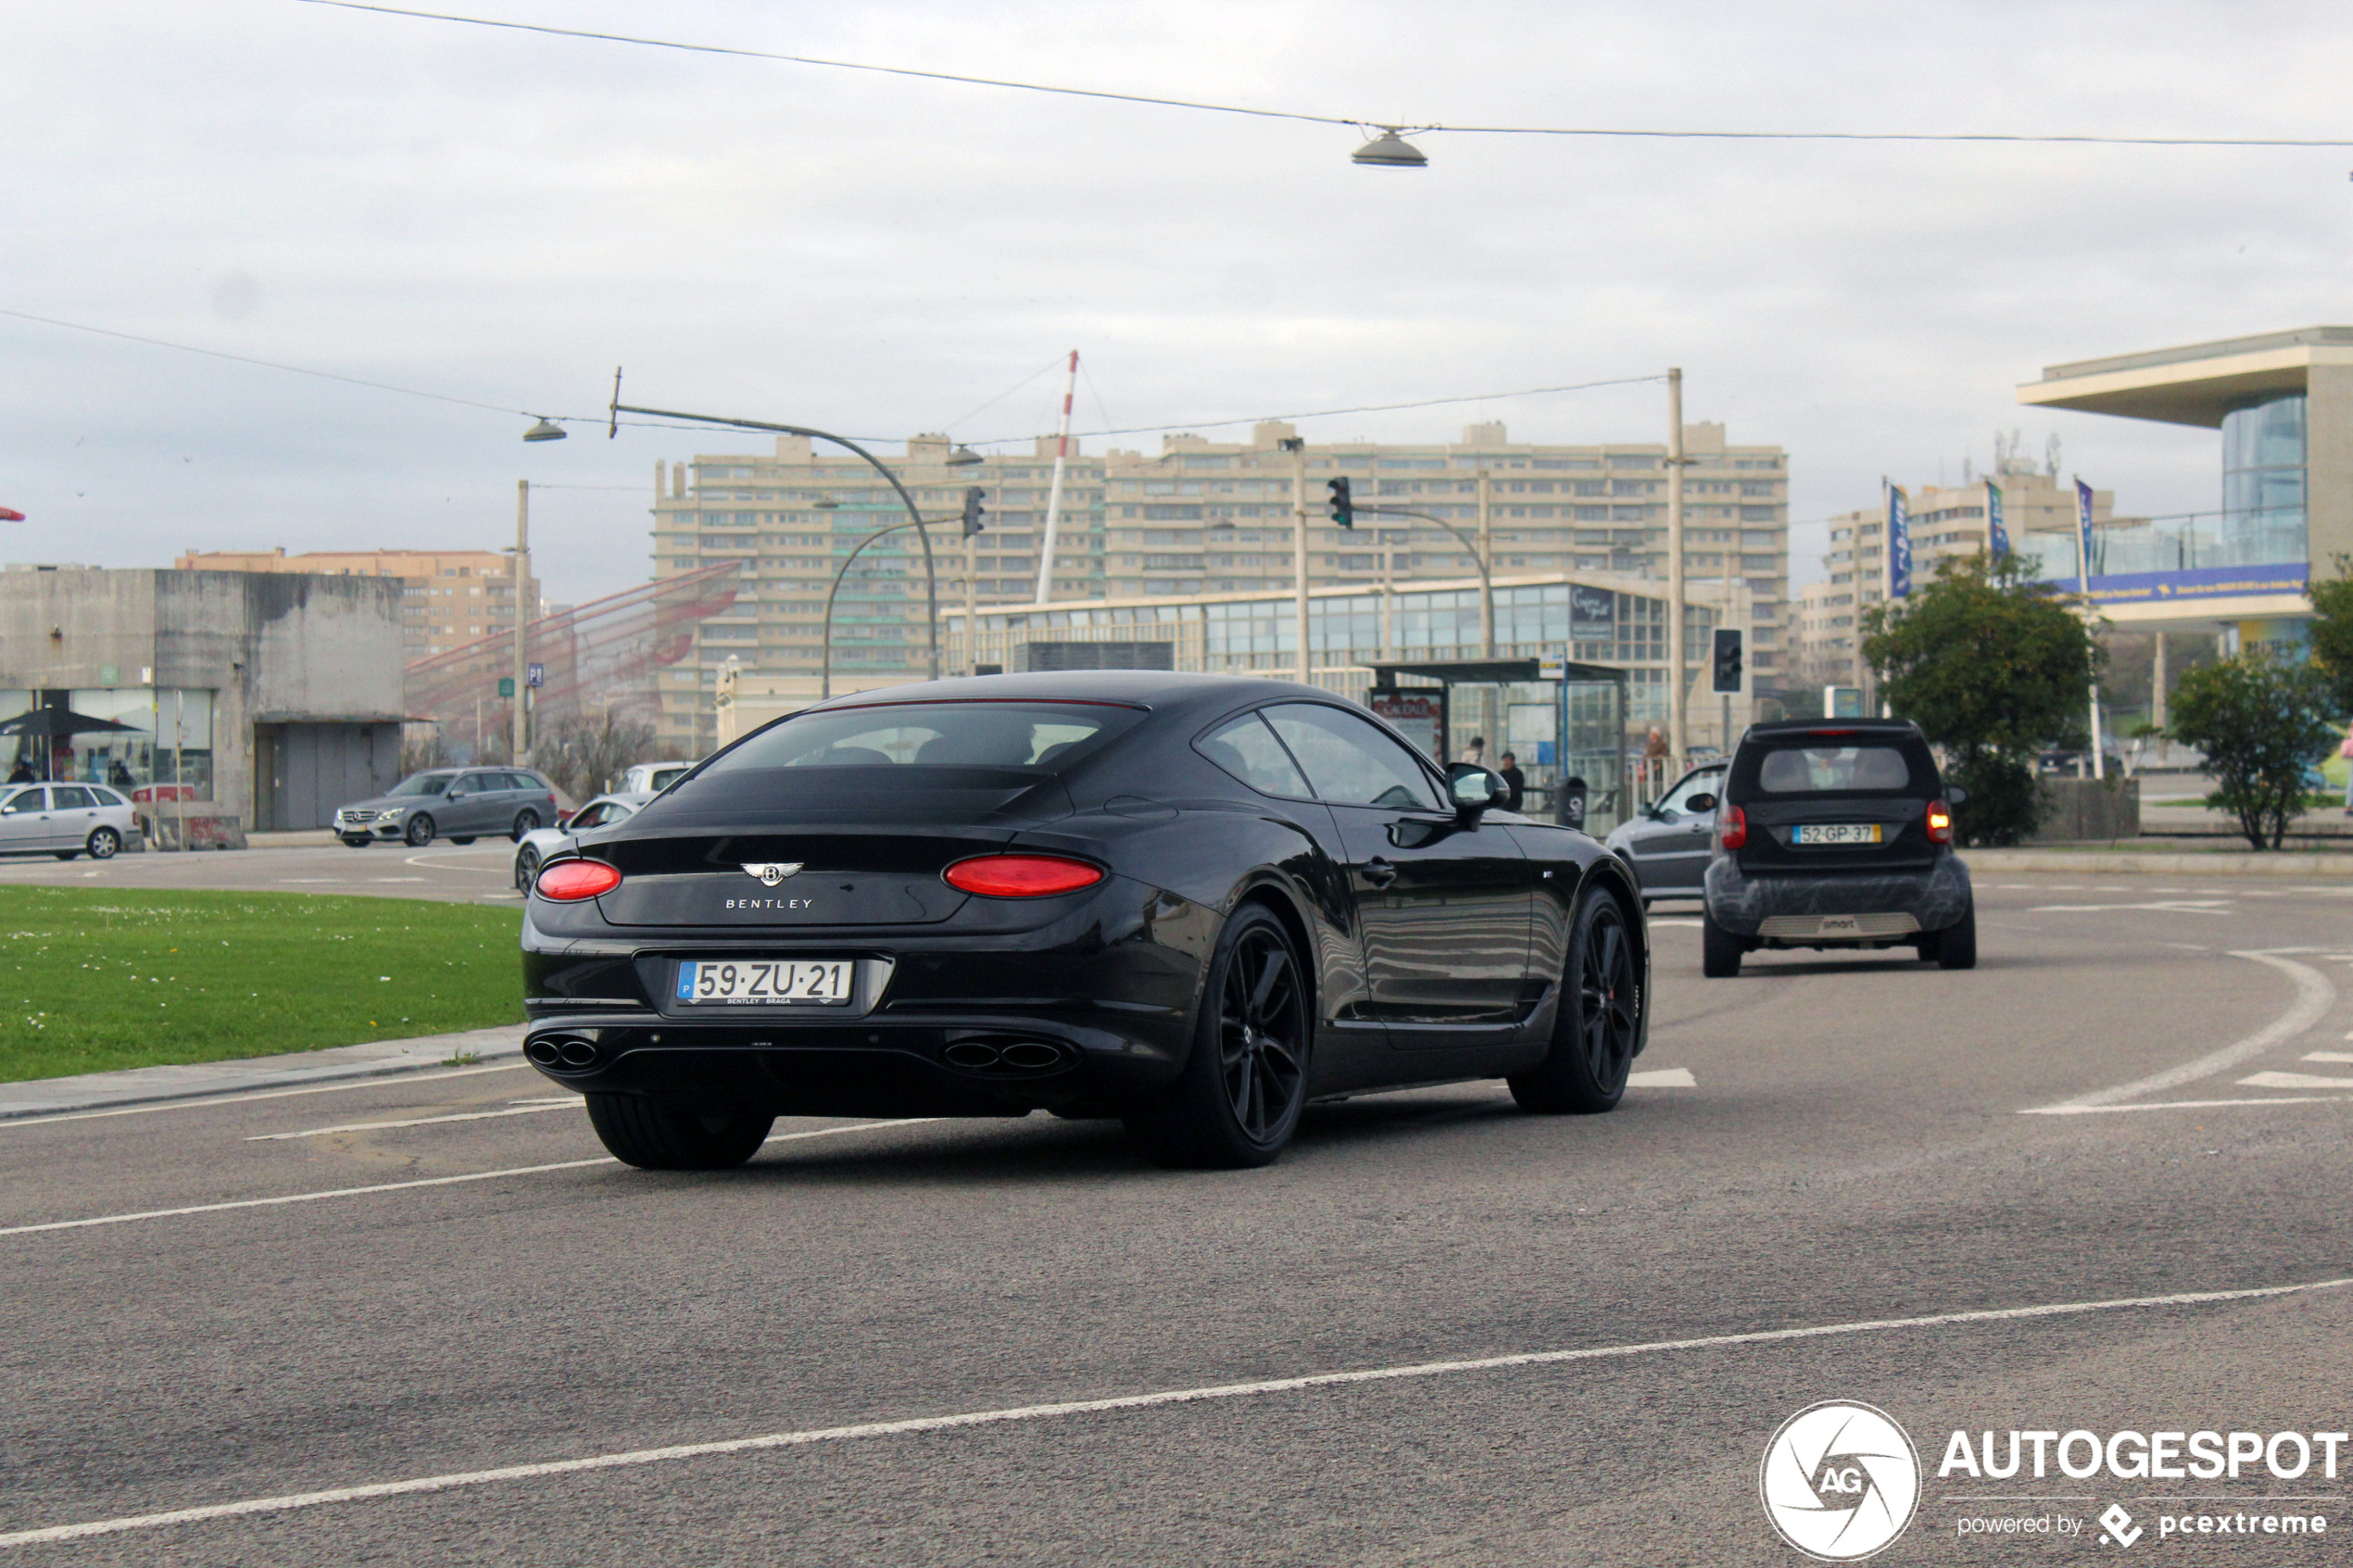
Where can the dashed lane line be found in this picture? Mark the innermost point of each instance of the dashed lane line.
(2314, 996)
(2184, 1105)
(2162, 906)
(403, 1186)
(809, 1437)
(2293, 1080)
(1662, 1078)
(524, 1108)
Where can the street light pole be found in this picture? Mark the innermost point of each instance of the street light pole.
(825, 680)
(1678, 740)
(1486, 573)
(915, 518)
(1297, 446)
(522, 574)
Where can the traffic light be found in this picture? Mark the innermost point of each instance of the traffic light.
(1344, 508)
(1728, 661)
(973, 509)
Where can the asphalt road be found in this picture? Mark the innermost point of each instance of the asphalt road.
(1858, 1143)
(479, 872)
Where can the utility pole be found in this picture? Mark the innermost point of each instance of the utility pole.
(1297, 448)
(1677, 741)
(1486, 555)
(523, 617)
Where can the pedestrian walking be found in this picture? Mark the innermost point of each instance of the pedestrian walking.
(1476, 752)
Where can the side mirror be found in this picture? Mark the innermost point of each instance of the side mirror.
(1475, 790)
(1699, 803)
(1955, 796)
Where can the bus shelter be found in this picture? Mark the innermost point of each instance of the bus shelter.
(1564, 722)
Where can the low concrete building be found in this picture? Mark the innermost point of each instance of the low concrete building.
(244, 700)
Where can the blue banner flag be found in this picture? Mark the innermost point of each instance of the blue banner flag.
(2082, 536)
(1899, 545)
(1996, 536)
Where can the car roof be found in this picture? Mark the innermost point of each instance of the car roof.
(1887, 728)
(1156, 689)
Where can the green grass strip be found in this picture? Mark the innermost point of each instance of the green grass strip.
(93, 979)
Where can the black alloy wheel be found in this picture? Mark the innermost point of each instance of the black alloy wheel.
(527, 867)
(1237, 1100)
(102, 844)
(419, 831)
(1599, 1026)
(525, 822)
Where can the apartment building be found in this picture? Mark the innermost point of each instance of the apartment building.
(1202, 517)
(1944, 521)
(447, 598)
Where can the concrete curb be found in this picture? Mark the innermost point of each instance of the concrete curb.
(155, 1086)
(2129, 861)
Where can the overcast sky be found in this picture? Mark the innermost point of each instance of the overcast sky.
(504, 218)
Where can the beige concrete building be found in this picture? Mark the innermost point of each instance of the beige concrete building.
(1201, 518)
(447, 598)
(2038, 515)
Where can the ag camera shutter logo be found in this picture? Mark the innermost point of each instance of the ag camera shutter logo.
(1840, 1480)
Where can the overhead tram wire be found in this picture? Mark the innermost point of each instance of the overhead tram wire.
(1357, 121)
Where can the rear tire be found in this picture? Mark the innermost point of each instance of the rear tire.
(468, 839)
(66, 854)
(525, 822)
(1599, 1024)
(1956, 945)
(102, 844)
(1237, 1100)
(1719, 950)
(654, 1137)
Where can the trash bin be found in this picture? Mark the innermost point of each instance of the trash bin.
(1569, 802)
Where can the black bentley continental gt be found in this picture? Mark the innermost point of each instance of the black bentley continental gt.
(1191, 902)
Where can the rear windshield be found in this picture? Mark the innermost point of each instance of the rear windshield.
(1833, 768)
(1045, 735)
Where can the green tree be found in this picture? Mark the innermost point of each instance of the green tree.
(1993, 666)
(2332, 630)
(2262, 719)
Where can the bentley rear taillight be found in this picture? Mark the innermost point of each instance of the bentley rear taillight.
(568, 882)
(1735, 832)
(1021, 876)
(1940, 823)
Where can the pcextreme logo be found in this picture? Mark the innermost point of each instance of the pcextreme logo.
(1840, 1480)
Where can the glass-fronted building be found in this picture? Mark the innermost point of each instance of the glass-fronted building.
(2283, 404)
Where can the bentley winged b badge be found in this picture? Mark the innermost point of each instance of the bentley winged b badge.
(771, 872)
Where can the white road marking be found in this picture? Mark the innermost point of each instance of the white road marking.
(1662, 1078)
(529, 1108)
(386, 1081)
(2314, 996)
(2182, 1105)
(2293, 1080)
(810, 1436)
(2164, 906)
(1692, 923)
(403, 1186)
(2328, 1055)
(396, 879)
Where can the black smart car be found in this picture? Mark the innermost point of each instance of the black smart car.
(1836, 833)
(1191, 902)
